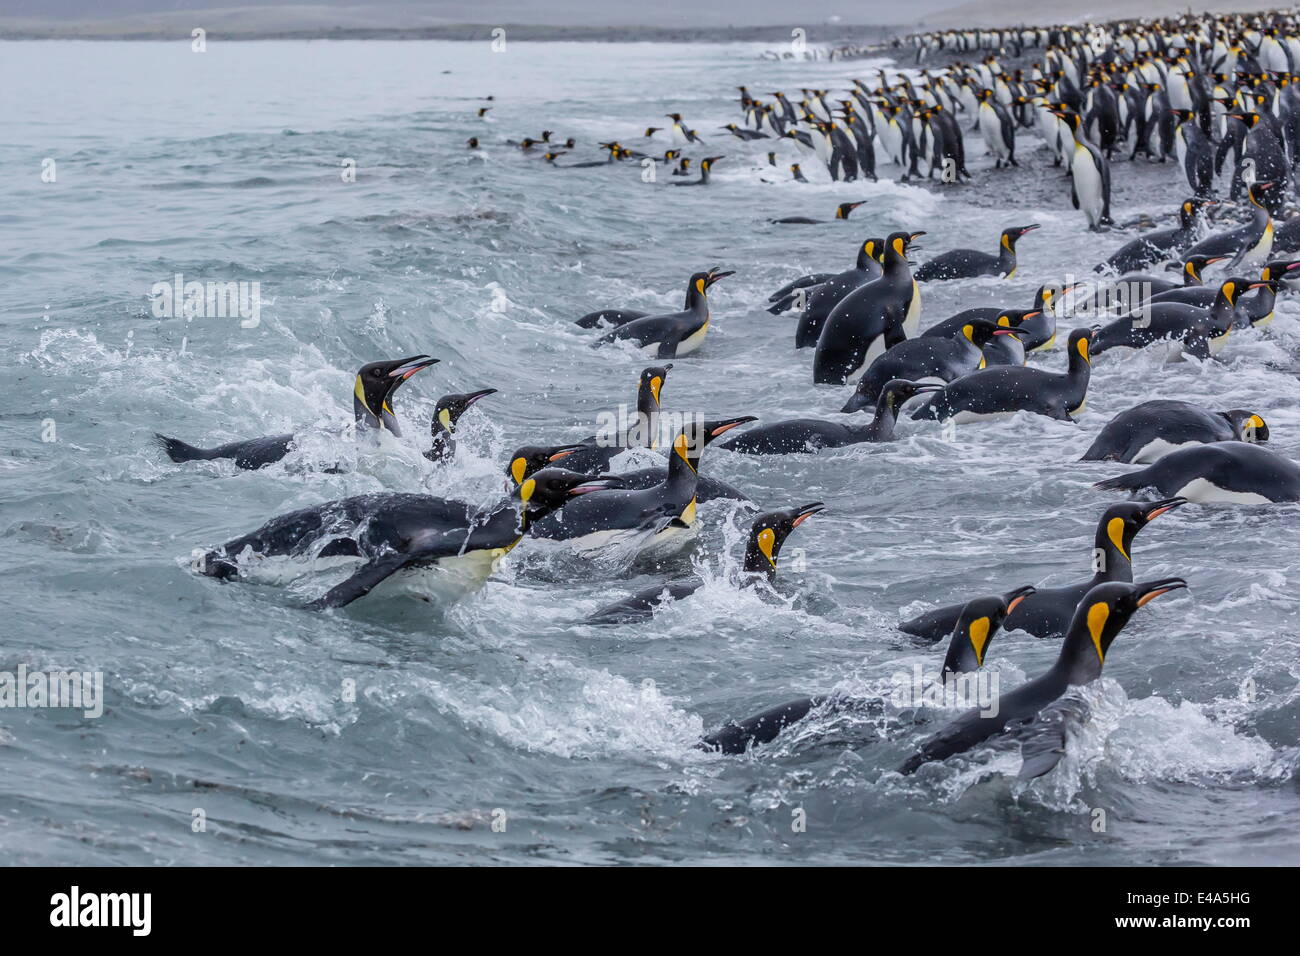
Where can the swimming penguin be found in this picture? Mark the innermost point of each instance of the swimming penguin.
(656, 518)
(1047, 612)
(1099, 618)
(813, 434)
(870, 319)
(1226, 472)
(1003, 390)
(706, 168)
(445, 416)
(743, 134)
(766, 535)
(969, 263)
(596, 451)
(971, 636)
(929, 360)
(842, 211)
(828, 294)
(796, 173)
(1197, 331)
(1149, 431)
(372, 397)
(1160, 245)
(676, 333)
(1089, 176)
(388, 532)
(1249, 245)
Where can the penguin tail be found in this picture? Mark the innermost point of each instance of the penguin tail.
(177, 450)
(1129, 482)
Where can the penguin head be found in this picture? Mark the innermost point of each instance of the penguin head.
(843, 209)
(1102, 614)
(708, 161)
(450, 407)
(531, 459)
(652, 380)
(1079, 343)
(1281, 273)
(651, 130)
(973, 631)
(979, 332)
(1258, 192)
(695, 437)
(1121, 522)
(768, 533)
(372, 393)
(1012, 235)
(1232, 288)
(1248, 425)
(1193, 266)
(898, 243)
(473, 142)
(551, 488)
(702, 281)
(1191, 208)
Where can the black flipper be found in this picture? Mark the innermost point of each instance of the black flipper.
(1043, 739)
(362, 583)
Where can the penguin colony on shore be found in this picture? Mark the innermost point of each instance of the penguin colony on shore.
(1218, 97)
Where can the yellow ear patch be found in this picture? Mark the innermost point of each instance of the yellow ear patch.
(1115, 531)
(680, 446)
(656, 383)
(1004, 322)
(699, 284)
(968, 331)
(979, 636)
(527, 488)
(898, 246)
(1083, 349)
(444, 417)
(517, 469)
(1254, 421)
(359, 391)
(1230, 291)
(766, 544)
(1098, 614)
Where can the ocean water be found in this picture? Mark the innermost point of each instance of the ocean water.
(240, 729)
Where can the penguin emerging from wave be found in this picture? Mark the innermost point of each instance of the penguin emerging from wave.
(596, 451)
(813, 434)
(1160, 245)
(663, 516)
(1002, 390)
(842, 211)
(972, 635)
(1047, 612)
(445, 416)
(766, 536)
(970, 263)
(391, 532)
(870, 319)
(1226, 472)
(1025, 711)
(676, 333)
(372, 397)
(1249, 246)
(822, 300)
(1197, 332)
(1146, 433)
(927, 360)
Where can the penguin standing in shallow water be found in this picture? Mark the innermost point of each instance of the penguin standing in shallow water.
(969, 263)
(972, 635)
(372, 396)
(823, 299)
(1097, 621)
(1003, 390)
(1146, 433)
(766, 535)
(813, 434)
(391, 532)
(1227, 472)
(1047, 612)
(870, 319)
(1089, 177)
(675, 333)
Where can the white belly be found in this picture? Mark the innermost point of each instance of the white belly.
(693, 341)
(1087, 184)
(967, 418)
(1202, 491)
(1157, 448)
